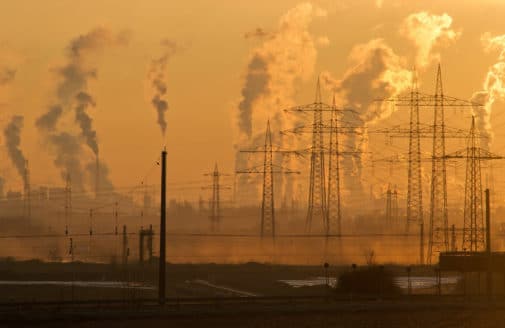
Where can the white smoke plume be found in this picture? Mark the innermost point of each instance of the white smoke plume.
(157, 79)
(493, 88)
(375, 72)
(285, 56)
(427, 31)
(72, 93)
(12, 134)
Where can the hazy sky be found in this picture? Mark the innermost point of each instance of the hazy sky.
(206, 75)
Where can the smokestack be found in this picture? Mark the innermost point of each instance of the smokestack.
(97, 177)
(27, 202)
(161, 276)
(489, 275)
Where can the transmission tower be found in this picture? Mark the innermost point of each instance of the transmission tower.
(317, 188)
(334, 214)
(267, 224)
(473, 224)
(438, 235)
(215, 202)
(324, 202)
(438, 230)
(414, 189)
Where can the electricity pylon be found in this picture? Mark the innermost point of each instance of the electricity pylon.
(473, 224)
(317, 188)
(324, 202)
(334, 210)
(215, 202)
(267, 224)
(438, 228)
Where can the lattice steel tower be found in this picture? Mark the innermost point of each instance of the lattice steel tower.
(473, 225)
(414, 190)
(317, 188)
(438, 233)
(267, 203)
(215, 202)
(334, 221)
(267, 223)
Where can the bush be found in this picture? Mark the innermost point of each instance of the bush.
(373, 280)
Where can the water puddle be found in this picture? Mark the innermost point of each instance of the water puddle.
(402, 282)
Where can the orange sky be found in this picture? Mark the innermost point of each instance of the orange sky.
(205, 78)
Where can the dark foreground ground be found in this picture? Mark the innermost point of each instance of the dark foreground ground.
(193, 304)
(312, 314)
(183, 280)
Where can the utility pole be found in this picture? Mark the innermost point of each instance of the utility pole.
(68, 202)
(124, 253)
(489, 273)
(163, 212)
(267, 224)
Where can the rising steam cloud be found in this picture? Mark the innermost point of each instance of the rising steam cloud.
(157, 79)
(285, 56)
(375, 72)
(12, 134)
(493, 88)
(426, 31)
(72, 94)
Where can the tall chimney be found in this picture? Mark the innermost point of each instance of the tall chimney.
(163, 209)
(97, 177)
(27, 192)
(489, 275)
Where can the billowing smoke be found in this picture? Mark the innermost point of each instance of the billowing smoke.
(426, 31)
(48, 121)
(255, 86)
(157, 79)
(67, 148)
(103, 176)
(493, 88)
(375, 72)
(7, 75)
(85, 121)
(72, 93)
(12, 134)
(285, 57)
